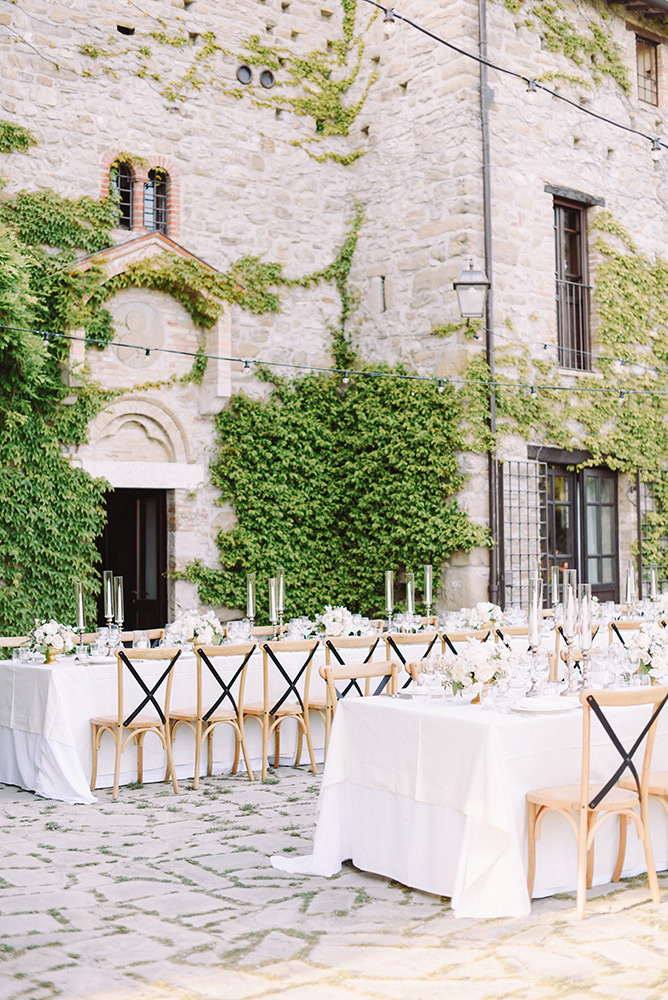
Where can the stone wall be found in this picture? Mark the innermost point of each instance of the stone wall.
(243, 186)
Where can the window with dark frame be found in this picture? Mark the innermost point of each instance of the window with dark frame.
(123, 183)
(647, 63)
(572, 288)
(155, 201)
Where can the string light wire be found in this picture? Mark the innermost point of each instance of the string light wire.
(438, 381)
(532, 83)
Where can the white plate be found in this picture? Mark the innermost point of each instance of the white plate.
(545, 706)
(101, 659)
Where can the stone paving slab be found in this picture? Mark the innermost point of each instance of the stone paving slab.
(163, 897)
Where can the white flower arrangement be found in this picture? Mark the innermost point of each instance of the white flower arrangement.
(52, 635)
(482, 615)
(661, 604)
(648, 649)
(194, 626)
(477, 664)
(335, 621)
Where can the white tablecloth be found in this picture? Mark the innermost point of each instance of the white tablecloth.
(45, 732)
(434, 796)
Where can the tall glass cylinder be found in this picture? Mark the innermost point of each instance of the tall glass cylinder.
(389, 591)
(280, 577)
(119, 604)
(630, 590)
(570, 610)
(273, 600)
(108, 590)
(535, 613)
(653, 583)
(250, 595)
(428, 585)
(81, 609)
(584, 616)
(410, 593)
(554, 585)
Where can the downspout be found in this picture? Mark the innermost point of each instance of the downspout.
(486, 96)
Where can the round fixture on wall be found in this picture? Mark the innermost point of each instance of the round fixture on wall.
(267, 79)
(244, 74)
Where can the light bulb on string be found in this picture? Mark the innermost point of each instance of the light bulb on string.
(247, 366)
(346, 377)
(441, 385)
(389, 22)
(534, 394)
(532, 90)
(656, 150)
(621, 399)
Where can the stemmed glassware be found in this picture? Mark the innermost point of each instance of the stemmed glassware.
(535, 629)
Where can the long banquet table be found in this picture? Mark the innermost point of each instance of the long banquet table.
(433, 795)
(45, 732)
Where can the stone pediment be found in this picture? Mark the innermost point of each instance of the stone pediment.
(118, 258)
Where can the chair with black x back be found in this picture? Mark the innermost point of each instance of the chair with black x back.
(286, 679)
(405, 647)
(357, 680)
(342, 651)
(221, 682)
(144, 681)
(587, 806)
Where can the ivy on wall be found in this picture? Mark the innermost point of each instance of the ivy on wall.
(316, 85)
(15, 138)
(336, 483)
(592, 50)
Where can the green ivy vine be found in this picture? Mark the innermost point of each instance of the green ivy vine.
(336, 483)
(14, 138)
(594, 50)
(316, 85)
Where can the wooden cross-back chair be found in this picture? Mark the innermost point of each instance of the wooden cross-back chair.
(587, 806)
(132, 724)
(364, 679)
(12, 641)
(290, 703)
(220, 702)
(398, 646)
(344, 651)
(616, 630)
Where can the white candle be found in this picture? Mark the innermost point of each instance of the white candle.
(108, 585)
(410, 593)
(554, 585)
(389, 590)
(428, 585)
(630, 584)
(81, 609)
(273, 599)
(570, 612)
(250, 595)
(119, 610)
(280, 576)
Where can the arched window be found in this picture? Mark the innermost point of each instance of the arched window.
(122, 181)
(155, 201)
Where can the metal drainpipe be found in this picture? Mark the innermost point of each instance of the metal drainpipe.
(485, 101)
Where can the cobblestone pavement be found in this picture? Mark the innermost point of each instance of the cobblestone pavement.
(163, 897)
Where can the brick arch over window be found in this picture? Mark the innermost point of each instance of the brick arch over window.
(141, 172)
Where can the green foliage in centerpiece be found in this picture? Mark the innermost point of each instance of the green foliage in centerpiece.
(337, 486)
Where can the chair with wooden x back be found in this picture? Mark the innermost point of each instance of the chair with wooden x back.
(404, 647)
(361, 680)
(141, 682)
(221, 682)
(588, 806)
(286, 691)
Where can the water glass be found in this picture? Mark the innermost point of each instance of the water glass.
(140, 639)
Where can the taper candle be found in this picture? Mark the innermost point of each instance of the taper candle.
(554, 585)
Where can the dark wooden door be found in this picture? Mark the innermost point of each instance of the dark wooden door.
(134, 546)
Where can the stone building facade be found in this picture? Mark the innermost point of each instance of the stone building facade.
(223, 165)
